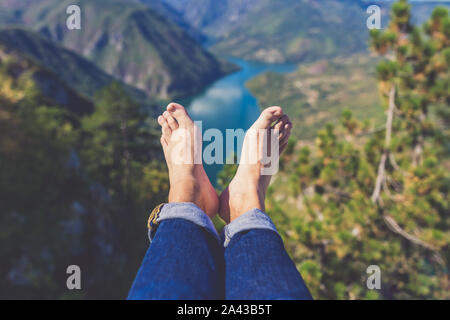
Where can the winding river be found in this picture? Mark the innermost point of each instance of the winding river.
(228, 104)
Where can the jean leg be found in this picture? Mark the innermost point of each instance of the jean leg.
(184, 261)
(257, 265)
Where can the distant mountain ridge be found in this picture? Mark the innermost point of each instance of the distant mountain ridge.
(214, 18)
(175, 16)
(288, 30)
(297, 31)
(128, 40)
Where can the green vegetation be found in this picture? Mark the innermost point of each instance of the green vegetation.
(81, 163)
(361, 197)
(316, 94)
(75, 186)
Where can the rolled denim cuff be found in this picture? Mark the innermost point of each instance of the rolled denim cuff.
(187, 211)
(253, 219)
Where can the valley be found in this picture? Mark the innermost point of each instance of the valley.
(125, 40)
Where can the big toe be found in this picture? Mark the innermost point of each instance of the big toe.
(267, 117)
(179, 113)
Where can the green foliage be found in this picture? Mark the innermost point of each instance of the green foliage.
(386, 70)
(323, 202)
(74, 70)
(317, 93)
(73, 189)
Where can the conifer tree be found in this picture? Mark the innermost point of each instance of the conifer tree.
(366, 196)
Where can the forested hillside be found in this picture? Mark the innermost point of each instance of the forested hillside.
(68, 170)
(79, 73)
(317, 93)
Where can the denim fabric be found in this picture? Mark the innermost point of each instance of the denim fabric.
(257, 267)
(185, 260)
(187, 211)
(253, 219)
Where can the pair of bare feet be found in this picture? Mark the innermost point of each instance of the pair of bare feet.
(189, 182)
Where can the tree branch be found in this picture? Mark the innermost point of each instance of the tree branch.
(393, 225)
(387, 144)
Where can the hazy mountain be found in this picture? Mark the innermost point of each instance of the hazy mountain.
(72, 69)
(297, 30)
(128, 40)
(279, 31)
(288, 30)
(175, 16)
(212, 17)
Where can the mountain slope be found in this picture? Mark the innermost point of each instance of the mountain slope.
(174, 16)
(317, 93)
(214, 18)
(297, 31)
(129, 41)
(71, 68)
(274, 31)
(22, 77)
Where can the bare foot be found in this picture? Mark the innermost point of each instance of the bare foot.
(188, 181)
(248, 188)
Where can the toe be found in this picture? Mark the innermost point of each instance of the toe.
(267, 117)
(161, 120)
(281, 123)
(285, 133)
(179, 113)
(173, 124)
(164, 126)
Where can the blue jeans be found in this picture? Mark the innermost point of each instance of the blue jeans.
(188, 260)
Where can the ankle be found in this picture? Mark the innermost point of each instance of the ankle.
(183, 189)
(245, 202)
